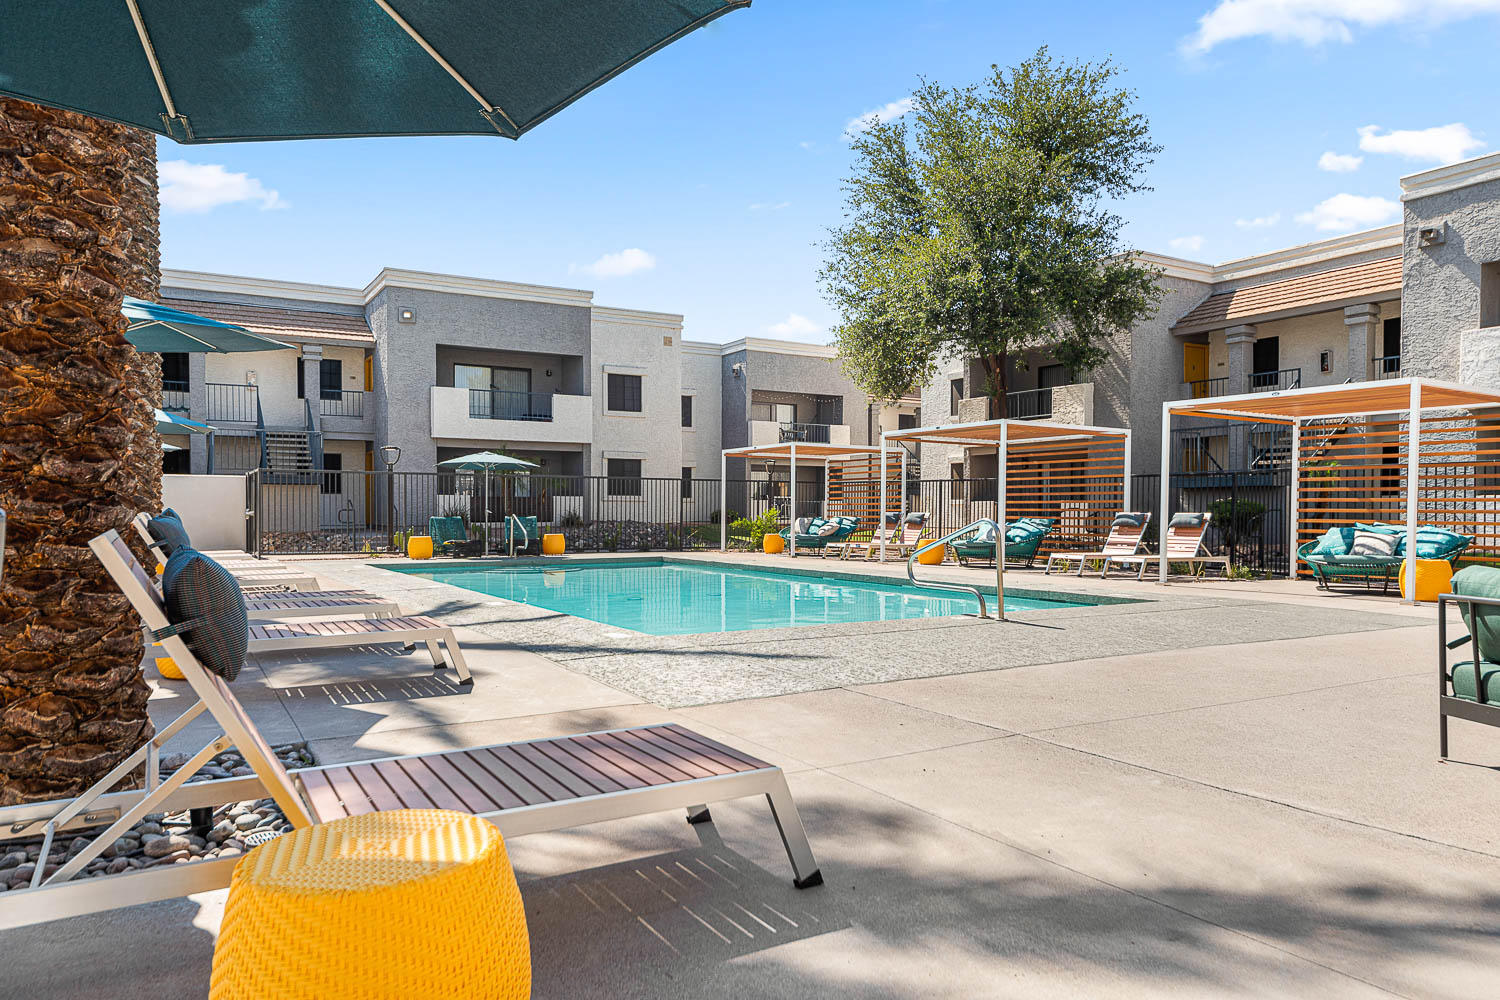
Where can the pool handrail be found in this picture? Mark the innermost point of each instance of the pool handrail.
(911, 561)
(511, 535)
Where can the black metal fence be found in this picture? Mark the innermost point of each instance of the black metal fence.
(1250, 511)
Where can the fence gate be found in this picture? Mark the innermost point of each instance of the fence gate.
(252, 509)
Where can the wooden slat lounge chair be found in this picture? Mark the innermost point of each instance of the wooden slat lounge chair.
(1126, 535)
(532, 786)
(253, 574)
(319, 604)
(1185, 545)
(898, 539)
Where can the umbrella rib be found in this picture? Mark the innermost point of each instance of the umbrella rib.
(161, 81)
(487, 108)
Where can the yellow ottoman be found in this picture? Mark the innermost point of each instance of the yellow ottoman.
(419, 547)
(400, 905)
(1434, 577)
(773, 544)
(554, 544)
(933, 555)
(168, 668)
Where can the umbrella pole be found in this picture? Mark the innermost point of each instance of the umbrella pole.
(486, 512)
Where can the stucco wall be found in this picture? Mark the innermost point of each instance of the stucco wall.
(632, 346)
(212, 508)
(1153, 373)
(1440, 284)
(701, 373)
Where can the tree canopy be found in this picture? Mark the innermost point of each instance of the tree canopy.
(985, 229)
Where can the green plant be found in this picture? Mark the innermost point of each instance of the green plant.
(572, 519)
(612, 542)
(1240, 572)
(456, 509)
(733, 515)
(752, 529)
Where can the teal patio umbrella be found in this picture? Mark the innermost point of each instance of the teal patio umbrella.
(488, 462)
(171, 423)
(162, 329)
(296, 69)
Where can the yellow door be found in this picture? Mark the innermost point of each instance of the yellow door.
(1195, 368)
(369, 372)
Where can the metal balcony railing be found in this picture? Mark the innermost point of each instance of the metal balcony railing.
(1388, 366)
(1286, 378)
(174, 396)
(811, 433)
(505, 404)
(341, 402)
(227, 401)
(1203, 388)
(1029, 404)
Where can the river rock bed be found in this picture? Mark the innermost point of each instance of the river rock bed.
(163, 838)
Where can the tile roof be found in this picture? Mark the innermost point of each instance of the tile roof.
(1292, 296)
(290, 325)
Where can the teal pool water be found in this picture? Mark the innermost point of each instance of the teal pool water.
(673, 598)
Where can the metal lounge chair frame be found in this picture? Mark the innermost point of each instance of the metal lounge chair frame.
(319, 604)
(1120, 542)
(573, 781)
(253, 574)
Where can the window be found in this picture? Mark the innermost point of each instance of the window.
(955, 394)
(331, 482)
(687, 482)
(1489, 294)
(174, 372)
(1052, 376)
(624, 394)
(687, 411)
(330, 379)
(624, 473)
(906, 421)
(1390, 347)
(176, 463)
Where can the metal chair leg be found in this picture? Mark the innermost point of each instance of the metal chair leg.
(805, 869)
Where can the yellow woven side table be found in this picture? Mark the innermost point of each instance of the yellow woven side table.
(386, 906)
(419, 547)
(554, 544)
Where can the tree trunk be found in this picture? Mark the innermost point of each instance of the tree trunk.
(79, 453)
(994, 366)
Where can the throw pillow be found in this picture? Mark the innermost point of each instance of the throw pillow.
(1128, 520)
(201, 593)
(829, 529)
(1373, 543)
(169, 532)
(1186, 521)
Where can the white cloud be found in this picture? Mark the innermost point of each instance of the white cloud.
(1347, 212)
(616, 265)
(886, 113)
(1439, 144)
(805, 144)
(1190, 244)
(202, 187)
(1339, 163)
(768, 206)
(1316, 22)
(1259, 222)
(795, 325)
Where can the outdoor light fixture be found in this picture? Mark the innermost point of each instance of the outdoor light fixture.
(390, 455)
(1432, 236)
(406, 315)
(738, 370)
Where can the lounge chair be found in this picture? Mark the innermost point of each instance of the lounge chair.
(1331, 556)
(1126, 536)
(451, 536)
(278, 636)
(1185, 546)
(1022, 539)
(319, 604)
(1470, 689)
(813, 533)
(531, 786)
(253, 574)
(899, 535)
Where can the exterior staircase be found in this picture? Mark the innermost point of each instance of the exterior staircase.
(288, 453)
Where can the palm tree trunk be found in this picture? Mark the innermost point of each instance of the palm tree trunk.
(79, 451)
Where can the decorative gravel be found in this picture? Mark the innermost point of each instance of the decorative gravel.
(164, 838)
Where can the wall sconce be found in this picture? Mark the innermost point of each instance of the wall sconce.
(549, 372)
(738, 371)
(406, 315)
(1325, 362)
(1433, 236)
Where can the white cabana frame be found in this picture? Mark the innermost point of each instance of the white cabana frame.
(1410, 396)
(1000, 435)
(791, 451)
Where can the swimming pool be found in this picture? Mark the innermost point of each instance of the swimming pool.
(661, 597)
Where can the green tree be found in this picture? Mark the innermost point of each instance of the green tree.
(985, 229)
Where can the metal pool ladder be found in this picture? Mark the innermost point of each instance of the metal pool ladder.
(911, 562)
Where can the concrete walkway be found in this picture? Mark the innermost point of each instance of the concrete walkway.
(1256, 819)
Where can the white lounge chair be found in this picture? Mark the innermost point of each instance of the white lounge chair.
(253, 574)
(319, 604)
(527, 787)
(1185, 546)
(1126, 536)
(900, 540)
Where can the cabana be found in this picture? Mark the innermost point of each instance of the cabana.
(842, 464)
(1069, 472)
(1409, 449)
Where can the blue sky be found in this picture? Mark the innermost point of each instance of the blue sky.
(703, 180)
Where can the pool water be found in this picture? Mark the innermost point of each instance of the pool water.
(675, 598)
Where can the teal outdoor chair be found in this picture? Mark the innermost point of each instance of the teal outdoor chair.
(814, 534)
(1023, 538)
(1470, 688)
(449, 534)
(1330, 559)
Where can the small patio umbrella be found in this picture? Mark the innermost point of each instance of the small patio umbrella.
(487, 462)
(167, 449)
(286, 69)
(171, 423)
(162, 329)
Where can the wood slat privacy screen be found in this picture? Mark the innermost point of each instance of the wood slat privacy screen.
(1354, 471)
(1079, 484)
(854, 488)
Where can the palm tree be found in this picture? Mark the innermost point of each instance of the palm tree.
(78, 446)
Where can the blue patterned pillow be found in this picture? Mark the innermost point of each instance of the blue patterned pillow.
(205, 598)
(168, 530)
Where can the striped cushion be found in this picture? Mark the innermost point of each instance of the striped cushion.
(201, 593)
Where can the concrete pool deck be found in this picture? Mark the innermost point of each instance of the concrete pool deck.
(1243, 814)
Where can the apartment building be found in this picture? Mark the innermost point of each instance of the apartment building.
(442, 365)
(1419, 298)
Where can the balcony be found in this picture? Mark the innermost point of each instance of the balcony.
(1286, 378)
(1386, 366)
(342, 403)
(174, 396)
(231, 403)
(764, 432)
(494, 415)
